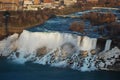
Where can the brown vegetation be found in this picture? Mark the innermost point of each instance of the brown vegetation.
(97, 18)
(77, 26)
(113, 28)
(20, 20)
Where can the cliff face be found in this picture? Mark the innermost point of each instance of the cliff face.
(20, 20)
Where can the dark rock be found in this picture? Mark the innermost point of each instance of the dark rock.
(115, 42)
(84, 53)
(101, 44)
(41, 51)
(113, 29)
(17, 54)
(93, 52)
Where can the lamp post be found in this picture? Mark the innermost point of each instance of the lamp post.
(6, 16)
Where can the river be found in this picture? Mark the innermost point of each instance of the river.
(10, 71)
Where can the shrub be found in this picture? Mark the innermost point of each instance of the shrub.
(99, 18)
(77, 26)
(113, 28)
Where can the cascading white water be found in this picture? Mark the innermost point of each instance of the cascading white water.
(89, 63)
(88, 43)
(78, 41)
(94, 43)
(29, 42)
(8, 44)
(54, 48)
(107, 45)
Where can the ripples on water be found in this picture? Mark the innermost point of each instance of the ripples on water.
(28, 71)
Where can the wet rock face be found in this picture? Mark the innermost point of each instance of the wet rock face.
(113, 29)
(93, 52)
(84, 53)
(116, 42)
(41, 51)
(101, 44)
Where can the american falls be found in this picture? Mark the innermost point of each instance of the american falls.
(59, 50)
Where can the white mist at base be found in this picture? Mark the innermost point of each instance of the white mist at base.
(8, 45)
(51, 48)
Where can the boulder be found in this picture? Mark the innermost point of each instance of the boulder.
(41, 51)
(93, 51)
(84, 53)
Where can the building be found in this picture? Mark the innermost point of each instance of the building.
(36, 2)
(69, 2)
(65, 2)
(92, 1)
(27, 2)
(9, 4)
(47, 1)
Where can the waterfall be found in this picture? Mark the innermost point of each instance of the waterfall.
(107, 45)
(52, 48)
(88, 43)
(94, 43)
(78, 41)
(8, 45)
